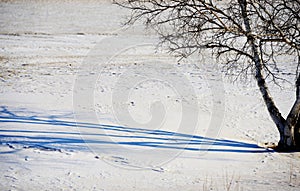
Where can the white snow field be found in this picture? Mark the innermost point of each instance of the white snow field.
(88, 105)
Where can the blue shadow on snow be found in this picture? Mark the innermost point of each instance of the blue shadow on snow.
(139, 137)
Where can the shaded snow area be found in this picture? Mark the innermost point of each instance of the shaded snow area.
(86, 104)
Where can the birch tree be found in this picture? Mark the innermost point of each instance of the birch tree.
(245, 34)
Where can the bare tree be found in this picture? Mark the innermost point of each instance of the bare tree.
(246, 34)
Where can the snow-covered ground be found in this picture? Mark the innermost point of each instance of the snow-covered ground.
(87, 105)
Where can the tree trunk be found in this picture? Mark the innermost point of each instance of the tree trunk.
(289, 128)
(291, 140)
(297, 124)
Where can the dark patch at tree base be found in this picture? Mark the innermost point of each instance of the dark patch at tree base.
(284, 149)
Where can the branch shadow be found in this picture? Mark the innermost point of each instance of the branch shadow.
(61, 137)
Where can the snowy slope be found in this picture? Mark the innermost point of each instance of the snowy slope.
(88, 105)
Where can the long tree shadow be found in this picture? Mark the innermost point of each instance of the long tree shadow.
(101, 134)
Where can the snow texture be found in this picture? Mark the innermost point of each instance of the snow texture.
(86, 104)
